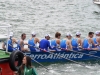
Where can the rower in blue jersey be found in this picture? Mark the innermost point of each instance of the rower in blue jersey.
(21, 43)
(95, 38)
(32, 42)
(97, 41)
(88, 42)
(45, 44)
(10, 43)
(55, 43)
(77, 42)
(65, 44)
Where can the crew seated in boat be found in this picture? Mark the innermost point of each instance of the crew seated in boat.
(55, 43)
(65, 44)
(44, 43)
(32, 42)
(10, 43)
(21, 43)
(88, 42)
(77, 42)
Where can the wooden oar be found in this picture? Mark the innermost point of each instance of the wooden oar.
(40, 64)
(46, 67)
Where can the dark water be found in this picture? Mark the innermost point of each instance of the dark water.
(50, 16)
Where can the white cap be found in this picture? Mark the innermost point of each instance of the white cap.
(97, 32)
(78, 33)
(11, 34)
(68, 34)
(47, 35)
(33, 33)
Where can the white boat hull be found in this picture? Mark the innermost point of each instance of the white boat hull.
(98, 3)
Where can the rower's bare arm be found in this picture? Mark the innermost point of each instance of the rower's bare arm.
(22, 47)
(14, 40)
(80, 43)
(58, 41)
(70, 46)
(37, 40)
(93, 43)
(98, 41)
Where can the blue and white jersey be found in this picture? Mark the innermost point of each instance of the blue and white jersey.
(18, 45)
(63, 44)
(44, 44)
(94, 40)
(98, 45)
(53, 44)
(86, 44)
(31, 45)
(74, 43)
(10, 47)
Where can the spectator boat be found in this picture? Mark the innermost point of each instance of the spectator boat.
(6, 66)
(97, 2)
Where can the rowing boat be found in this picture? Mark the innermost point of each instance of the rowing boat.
(4, 57)
(64, 55)
(10, 61)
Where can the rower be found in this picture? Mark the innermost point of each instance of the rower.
(77, 42)
(55, 43)
(97, 41)
(65, 44)
(11, 41)
(95, 38)
(32, 42)
(21, 43)
(88, 42)
(45, 44)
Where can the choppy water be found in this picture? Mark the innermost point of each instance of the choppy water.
(50, 16)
